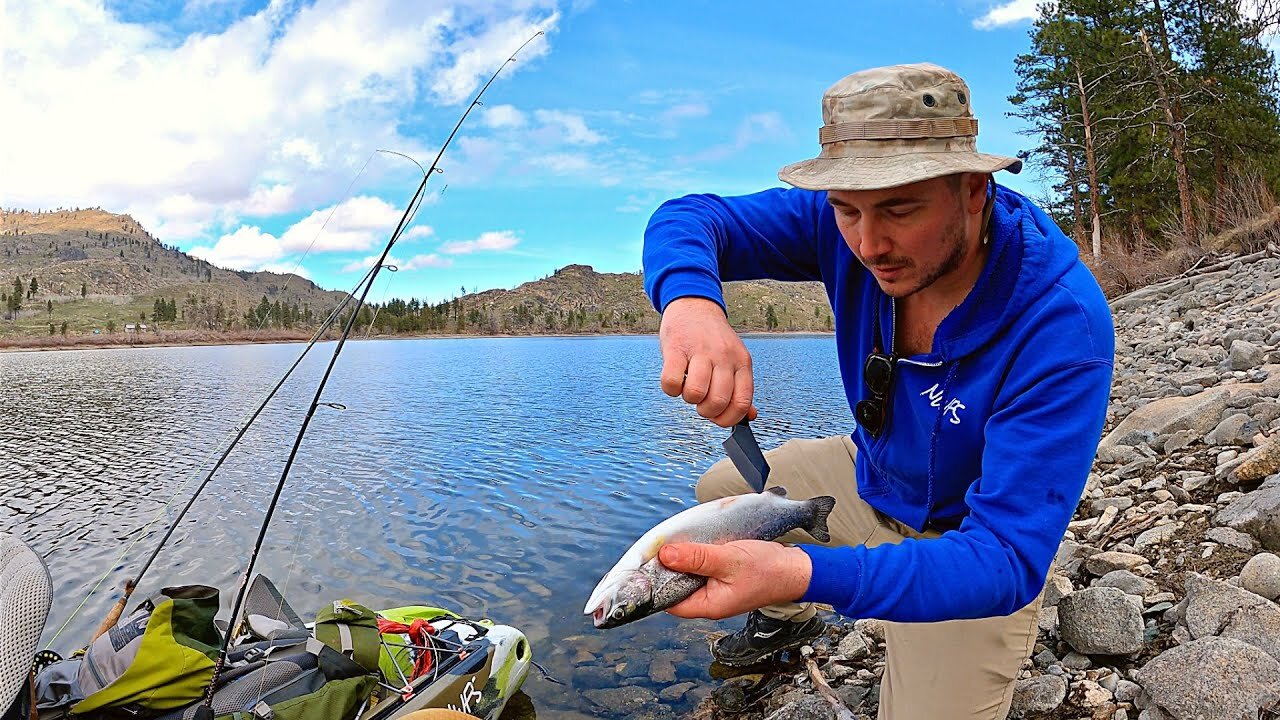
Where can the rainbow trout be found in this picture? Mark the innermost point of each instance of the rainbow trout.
(639, 585)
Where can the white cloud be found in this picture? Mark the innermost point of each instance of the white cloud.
(269, 200)
(494, 241)
(273, 113)
(417, 262)
(357, 224)
(754, 129)
(475, 57)
(1011, 12)
(684, 111)
(368, 262)
(571, 129)
(564, 163)
(418, 231)
(248, 248)
(641, 203)
(503, 116)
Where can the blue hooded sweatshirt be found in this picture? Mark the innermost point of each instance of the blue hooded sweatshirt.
(990, 435)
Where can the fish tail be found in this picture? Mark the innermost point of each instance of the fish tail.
(822, 507)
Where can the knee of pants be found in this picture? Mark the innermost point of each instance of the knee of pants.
(720, 480)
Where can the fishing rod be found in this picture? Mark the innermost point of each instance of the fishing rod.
(113, 616)
(205, 711)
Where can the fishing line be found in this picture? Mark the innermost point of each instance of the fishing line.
(141, 532)
(244, 427)
(205, 711)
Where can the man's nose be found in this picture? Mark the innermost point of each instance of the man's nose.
(871, 242)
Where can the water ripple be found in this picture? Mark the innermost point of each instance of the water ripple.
(492, 476)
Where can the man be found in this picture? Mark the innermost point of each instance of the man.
(976, 352)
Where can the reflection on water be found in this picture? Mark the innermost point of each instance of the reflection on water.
(495, 477)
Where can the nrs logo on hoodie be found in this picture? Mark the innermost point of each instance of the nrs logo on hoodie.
(953, 408)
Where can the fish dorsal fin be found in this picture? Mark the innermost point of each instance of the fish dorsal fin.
(777, 490)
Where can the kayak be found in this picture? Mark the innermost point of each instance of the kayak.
(351, 663)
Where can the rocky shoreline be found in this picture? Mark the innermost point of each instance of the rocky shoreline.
(1163, 601)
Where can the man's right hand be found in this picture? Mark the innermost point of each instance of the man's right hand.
(705, 362)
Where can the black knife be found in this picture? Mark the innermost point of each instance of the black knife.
(745, 453)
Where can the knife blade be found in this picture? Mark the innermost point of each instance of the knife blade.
(744, 451)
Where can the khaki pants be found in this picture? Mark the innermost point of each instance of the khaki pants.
(942, 670)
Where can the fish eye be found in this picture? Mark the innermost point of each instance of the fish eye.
(618, 613)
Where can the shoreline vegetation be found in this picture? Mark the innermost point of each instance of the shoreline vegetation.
(195, 338)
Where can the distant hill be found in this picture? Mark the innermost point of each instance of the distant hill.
(96, 270)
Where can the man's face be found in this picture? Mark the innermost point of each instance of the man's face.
(912, 235)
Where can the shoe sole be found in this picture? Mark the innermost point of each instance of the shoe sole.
(762, 658)
(26, 594)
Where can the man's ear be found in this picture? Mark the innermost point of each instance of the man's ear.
(975, 185)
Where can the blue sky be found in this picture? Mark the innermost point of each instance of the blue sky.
(236, 129)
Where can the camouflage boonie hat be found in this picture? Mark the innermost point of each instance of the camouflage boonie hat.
(892, 126)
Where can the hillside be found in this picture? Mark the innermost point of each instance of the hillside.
(577, 299)
(95, 271)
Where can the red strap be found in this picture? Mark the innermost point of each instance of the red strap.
(418, 633)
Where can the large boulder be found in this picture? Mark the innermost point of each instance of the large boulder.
(1212, 679)
(1199, 413)
(1256, 513)
(1037, 696)
(1100, 621)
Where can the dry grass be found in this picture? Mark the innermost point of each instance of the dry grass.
(68, 221)
(1246, 213)
(177, 337)
(1120, 271)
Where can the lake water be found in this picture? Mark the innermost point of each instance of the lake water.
(495, 477)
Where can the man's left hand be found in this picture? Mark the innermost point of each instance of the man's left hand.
(742, 575)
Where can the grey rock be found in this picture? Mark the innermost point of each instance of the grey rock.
(1117, 454)
(675, 693)
(622, 699)
(1199, 413)
(1075, 661)
(1057, 588)
(1157, 535)
(1244, 355)
(1127, 691)
(1256, 513)
(1237, 429)
(657, 712)
(1123, 502)
(1037, 696)
(1047, 620)
(1212, 679)
(852, 695)
(1231, 538)
(1128, 582)
(1100, 621)
(1212, 603)
(1261, 576)
(870, 627)
(1258, 625)
(1180, 439)
(810, 707)
(1105, 562)
(854, 645)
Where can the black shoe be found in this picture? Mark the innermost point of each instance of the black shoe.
(764, 636)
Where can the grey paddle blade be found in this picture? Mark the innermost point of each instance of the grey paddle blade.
(746, 456)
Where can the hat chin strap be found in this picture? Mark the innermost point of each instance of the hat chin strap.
(988, 206)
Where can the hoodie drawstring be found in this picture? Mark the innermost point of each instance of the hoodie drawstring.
(933, 438)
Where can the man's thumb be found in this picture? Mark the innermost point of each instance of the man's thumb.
(689, 558)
